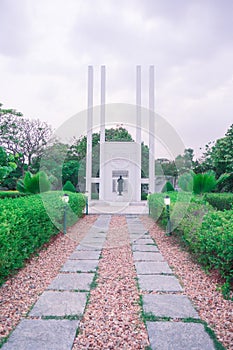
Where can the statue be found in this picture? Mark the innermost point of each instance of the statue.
(120, 185)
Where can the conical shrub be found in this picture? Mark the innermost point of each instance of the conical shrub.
(69, 187)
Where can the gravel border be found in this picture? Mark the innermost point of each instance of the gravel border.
(20, 292)
(200, 287)
(112, 316)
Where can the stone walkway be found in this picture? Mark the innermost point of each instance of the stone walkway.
(53, 322)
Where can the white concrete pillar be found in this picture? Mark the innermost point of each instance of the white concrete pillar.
(151, 130)
(102, 131)
(102, 105)
(89, 132)
(138, 104)
(138, 133)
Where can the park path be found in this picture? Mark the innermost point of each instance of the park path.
(115, 291)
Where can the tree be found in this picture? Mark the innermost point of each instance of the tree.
(23, 137)
(70, 171)
(184, 162)
(218, 156)
(185, 181)
(53, 159)
(222, 153)
(7, 164)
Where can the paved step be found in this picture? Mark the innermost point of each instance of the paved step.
(42, 335)
(152, 267)
(169, 305)
(178, 336)
(85, 255)
(159, 283)
(53, 303)
(72, 281)
(144, 248)
(80, 266)
(147, 256)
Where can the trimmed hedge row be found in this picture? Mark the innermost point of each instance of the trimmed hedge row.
(220, 201)
(207, 233)
(26, 225)
(11, 194)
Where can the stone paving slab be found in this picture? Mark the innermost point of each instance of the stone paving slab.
(159, 283)
(178, 336)
(42, 335)
(147, 256)
(97, 234)
(169, 305)
(135, 225)
(93, 241)
(72, 281)
(85, 247)
(136, 229)
(144, 248)
(143, 240)
(134, 236)
(151, 267)
(80, 266)
(85, 255)
(59, 304)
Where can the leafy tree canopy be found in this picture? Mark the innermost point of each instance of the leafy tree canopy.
(23, 137)
(7, 164)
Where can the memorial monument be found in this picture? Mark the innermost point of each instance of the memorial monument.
(120, 158)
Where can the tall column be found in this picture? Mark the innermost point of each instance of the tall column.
(102, 105)
(151, 131)
(138, 104)
(138, 133)
(89, 131)
(102, 132)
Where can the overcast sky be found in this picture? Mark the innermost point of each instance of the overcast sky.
(46, 46)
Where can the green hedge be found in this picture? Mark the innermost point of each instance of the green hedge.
(207, 233)
(27, 223)
(220, 201)
(11, 194)
(214, 242)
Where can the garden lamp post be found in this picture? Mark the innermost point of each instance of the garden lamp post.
(65, 199)
(167, 202)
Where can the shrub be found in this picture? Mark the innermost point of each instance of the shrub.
(11, 194)
(168, 187)
(198, 183)
(26, 224)
(69, 187)
(215, 242)
(34, 183)
(203, 183)
(207, 233)
(220, 201)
